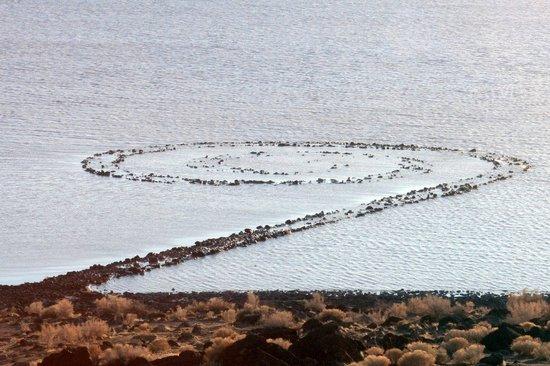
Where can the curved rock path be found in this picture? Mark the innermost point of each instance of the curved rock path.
(249, 163)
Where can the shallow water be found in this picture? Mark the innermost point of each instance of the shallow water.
(81, 78)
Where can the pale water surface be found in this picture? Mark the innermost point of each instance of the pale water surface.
(78, 78)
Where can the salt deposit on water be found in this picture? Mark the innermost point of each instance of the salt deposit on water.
(82, 78)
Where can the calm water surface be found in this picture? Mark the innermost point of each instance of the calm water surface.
(78, 78)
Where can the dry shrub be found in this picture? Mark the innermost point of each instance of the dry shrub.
(526, 306)
(229, 316)
(332, 314)
(117, 306)
(24, 327)
(463, 309)
(525, 345)
(543, 352)
(95, 353)
(197, 307)
(441, 356)
(178, 313)
(278, 319)
(95, 328)
(373, 360)
(377, 316)
(144, 327)
(130, 319)
(225, 332)
(416, 358)
(398, 309)
(212, 353)
(316, 303)
(374, 351)
(63, 309)
(68, 334)
(71, 334)
(352, 316)
(252, 305)
(456, 343)
(473, 335)
(469, 355)
(393, 354)
(35, 308)
(421, 346)
(217, 304)
(159, 345)
(123, 353)
(431, 305)
(252, 301)
(52, 335)
(47, 335)
(283, 343)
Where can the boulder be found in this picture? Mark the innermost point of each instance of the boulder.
(328, 345)
(500, 339)
(496, 316)
(392, 340)
(78, 356)
(140, 361)
(185, 335)
(185, 358)
(460, 321)
(538, 332)
(173, 343)
(493, 359)
(190, 358)
(255, 351)
(311, 324)
(248, 318)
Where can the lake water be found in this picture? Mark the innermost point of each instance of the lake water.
(78, 78)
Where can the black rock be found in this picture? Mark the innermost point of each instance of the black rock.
(328, 346)
(391, 320)
(542, 334)
(460, 321)
(248, 318)
(493, 359)
(255, 351)
(496, 316)
(140, 361)
(190, 358)
(78, 356)
(185, 358)
(392, 340)
(500, 339)
(311, 324)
